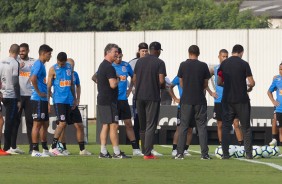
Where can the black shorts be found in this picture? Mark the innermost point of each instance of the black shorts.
(217, 111)
(75, 116)
(279, 119)
(39, 110)
(107, 113)
(63, 112)
(124, 111)
(191, 124)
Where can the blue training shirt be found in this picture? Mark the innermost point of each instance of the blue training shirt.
(218, 89)
(123, 70)
(176, 82)
(62, 83)
(38, 69)
(277, 85)
(76, 81)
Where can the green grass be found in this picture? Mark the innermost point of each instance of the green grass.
(90, 169)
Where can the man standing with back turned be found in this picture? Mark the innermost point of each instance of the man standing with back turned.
(232, 75)
(149, 76)
(193, 78)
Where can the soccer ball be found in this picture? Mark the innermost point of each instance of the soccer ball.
(218, 152)
(60, 147)
(232, 150)
(256, 152)
(240, 152)
(275, 150)
(266, 151)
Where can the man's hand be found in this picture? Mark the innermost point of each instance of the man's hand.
(74, 104)
(42, 94)
(49, 108)
(19, 105)
(275, 103)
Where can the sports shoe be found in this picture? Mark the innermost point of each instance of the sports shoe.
(137, 152)
(4, 153)
(46, 152)
(101, 155)
(174, 153)
(85, 152)
(273, 142)
(12, 152)
(179, 157)
(206, 157)
(156, 153)
(67, 152)
(17, 150)
(56, 152)
(149, 157)
(186, 153)
(280, 155)
(121, 156)
(38, 154)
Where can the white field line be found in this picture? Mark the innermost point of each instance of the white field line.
(275, 166)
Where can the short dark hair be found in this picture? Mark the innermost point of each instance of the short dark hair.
(142, 45)
(119, 50)
(223, 51)
(194, 49)
(109, 47)
(14, 48)
(45, 48)
(237, 49)
(62, 56)
(25, 45)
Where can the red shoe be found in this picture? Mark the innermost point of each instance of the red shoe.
(150, 157)
(4, 153)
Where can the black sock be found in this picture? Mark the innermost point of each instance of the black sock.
(135, 145)
(186, 147)
(44, 145)
(65, 146)
(174, 146)
(35, 147)
(81, 146)
(241, 143)
(275, 136)
(54, 143)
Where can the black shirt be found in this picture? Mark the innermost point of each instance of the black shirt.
(193, 73)
(147, 70)
(235, 71)
(106, 95)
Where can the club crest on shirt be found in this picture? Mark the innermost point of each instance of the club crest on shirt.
(62, 117)
(123, 68)
(42, 115)
(68, 72)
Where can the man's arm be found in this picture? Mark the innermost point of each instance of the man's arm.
(162, 80)
(171, 93)
(78, 92)
(51, 76)
(94, 77)
(251, 83)
(274, 102)
(113, 83)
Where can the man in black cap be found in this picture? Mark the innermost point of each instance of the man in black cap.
(149, 77)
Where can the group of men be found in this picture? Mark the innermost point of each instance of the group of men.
(193, 75)
(24, 87)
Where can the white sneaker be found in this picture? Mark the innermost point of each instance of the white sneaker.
(17, 150)
(85, 152)
(46, 152)
(137, 152)
(273, 142)
(67, 152)
(280, 155)
(38, 154)
(186, 153)
(155, 153)
(174, 153)
(12, 152)
(56, 152)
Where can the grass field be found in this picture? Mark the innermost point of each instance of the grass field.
(90, 169)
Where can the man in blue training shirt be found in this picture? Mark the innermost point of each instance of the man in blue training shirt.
(39, 101)
(60, 76)
(124, 70)
(277, 86)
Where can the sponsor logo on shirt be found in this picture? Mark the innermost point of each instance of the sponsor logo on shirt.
(24, 74)
(65, 83)
(122, 77)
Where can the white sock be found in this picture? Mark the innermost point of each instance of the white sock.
(104, 149)
(116, 150)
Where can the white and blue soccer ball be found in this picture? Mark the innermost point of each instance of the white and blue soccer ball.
(232, 150)
(275, 150)
(266, 151)
(60, 147)
(257, 152)
(218, 152)
(240, 152)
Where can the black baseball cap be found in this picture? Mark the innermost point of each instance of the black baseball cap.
(143, 45)
(155, 46)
